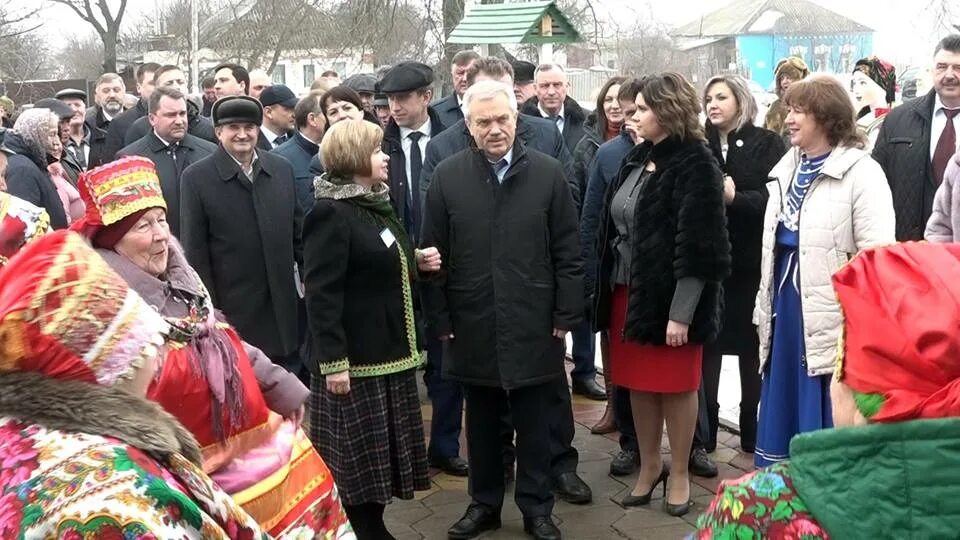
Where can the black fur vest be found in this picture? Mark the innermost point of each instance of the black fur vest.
(679, 231)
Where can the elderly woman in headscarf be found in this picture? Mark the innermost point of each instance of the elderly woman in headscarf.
(889, 469)
(244, 411)
(83, 453)
(788, 71)
(33, 143)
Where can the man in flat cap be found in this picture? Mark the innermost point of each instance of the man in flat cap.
(77, 144)
(240, 229)
(523, 81)
(449, 107)
(278, 122)
(365, 85)
(413, 122)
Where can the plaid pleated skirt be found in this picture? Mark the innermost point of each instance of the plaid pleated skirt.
(372, 438)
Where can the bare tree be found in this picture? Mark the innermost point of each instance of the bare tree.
(80, 58)
(105, 22)
(25, 54)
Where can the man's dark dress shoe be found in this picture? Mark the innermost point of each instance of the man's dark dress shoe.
(541, 527)
(454, 466)
(477, 519)
(571, 488)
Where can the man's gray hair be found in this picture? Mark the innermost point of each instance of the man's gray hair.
(484, 90)
(549, 67)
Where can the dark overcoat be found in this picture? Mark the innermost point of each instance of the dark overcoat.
(573, 119)
(243, 239)
(448, 109)
(117, 132)
(679, 230)
(299, 151)
(903, 151)
(28, 179)
(511, 267)
(752, 152)
(98, 125)
(190, 150)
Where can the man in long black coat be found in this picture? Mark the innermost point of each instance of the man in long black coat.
(117, 131)
(510, 288)
(171, 76)
(240, 229)
(170, 147)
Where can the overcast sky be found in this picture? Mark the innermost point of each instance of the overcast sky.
(905, 33)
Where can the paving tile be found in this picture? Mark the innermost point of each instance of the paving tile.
(670, 532)
(637, 521)
(743, 461)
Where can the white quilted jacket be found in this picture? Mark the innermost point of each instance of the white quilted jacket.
(847, 208)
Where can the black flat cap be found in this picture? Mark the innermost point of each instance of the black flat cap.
(406, 77)
(237, 110)
(364, 83)
(278, 94)
(523, 72)
(59, 108)
(71, 93)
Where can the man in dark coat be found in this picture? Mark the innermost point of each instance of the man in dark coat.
(303, 146)
(117, 132)
(170, 147)
(447, 397)
(553, 103)
(173, 77)
(109, 92)
(76, 147)
(405, 138)
(240, 229)
(509, 290)
(917, 139)
(448, 108)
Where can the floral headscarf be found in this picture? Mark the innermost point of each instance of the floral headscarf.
(880, 72)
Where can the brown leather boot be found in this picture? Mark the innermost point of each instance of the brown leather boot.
(608, 422)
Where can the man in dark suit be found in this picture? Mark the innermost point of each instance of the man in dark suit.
(447, 396)
(278, 122)
(553, 103)
(117, 132)
(170, 147)
(171, 76)
(108, 95)
(917, 139)
(448, 108)
(240, 229)
(303, 146)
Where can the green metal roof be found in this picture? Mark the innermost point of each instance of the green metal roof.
(517, 22)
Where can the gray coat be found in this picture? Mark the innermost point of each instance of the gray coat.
(190, 150)
(243, 239)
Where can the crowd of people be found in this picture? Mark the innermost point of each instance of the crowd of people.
(213, 312)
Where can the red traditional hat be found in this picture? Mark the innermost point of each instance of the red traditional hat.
(117, 190)
(901, 348)
(66, 314)
(20, 222)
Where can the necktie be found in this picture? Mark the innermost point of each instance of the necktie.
(280, 139)
(557, 120)
(500, 169)
(416, 165)
(946, 146)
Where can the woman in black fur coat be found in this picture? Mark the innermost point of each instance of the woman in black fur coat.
(663, 255)
(746, 154)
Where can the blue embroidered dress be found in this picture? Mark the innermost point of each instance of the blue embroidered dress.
(791, 401)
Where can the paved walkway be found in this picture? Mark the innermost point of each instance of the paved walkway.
(433, 512)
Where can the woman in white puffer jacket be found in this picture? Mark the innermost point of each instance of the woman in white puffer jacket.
(828, 200)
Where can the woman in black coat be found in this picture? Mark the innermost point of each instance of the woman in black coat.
(365, 411)
(663, 255)
(32, 142)
(746, 154)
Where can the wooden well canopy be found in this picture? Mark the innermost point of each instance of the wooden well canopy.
(540, 23)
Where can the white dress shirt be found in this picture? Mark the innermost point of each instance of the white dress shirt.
(407, 144)
(938, 123)
(271, 136)
(560, 118)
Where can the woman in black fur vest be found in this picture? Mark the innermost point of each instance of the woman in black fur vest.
(663, 255)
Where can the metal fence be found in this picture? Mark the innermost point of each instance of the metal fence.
(585, 83)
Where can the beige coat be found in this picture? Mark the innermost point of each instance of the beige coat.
(847, 208)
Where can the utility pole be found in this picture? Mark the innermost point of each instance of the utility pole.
(194, 48)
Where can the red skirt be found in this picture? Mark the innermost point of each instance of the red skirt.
(650, 368)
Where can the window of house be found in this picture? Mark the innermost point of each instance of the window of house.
(309, 75)
(280, 74)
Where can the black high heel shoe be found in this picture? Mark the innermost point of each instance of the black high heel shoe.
(676, 510)
(640, 500)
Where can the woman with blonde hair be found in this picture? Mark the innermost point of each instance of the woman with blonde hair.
(365, 410)
(663, 255)
(828, 200)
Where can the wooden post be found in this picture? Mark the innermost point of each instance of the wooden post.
(484, 50)
(546, 30)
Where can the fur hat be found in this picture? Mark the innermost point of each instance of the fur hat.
(65, 314)
(793, 67)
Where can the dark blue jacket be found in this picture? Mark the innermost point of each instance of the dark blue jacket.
(604, 168)
(448, 109)
(299, 151)
(536, 133)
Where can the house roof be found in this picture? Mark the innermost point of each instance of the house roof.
(783, 17)
(516, 22)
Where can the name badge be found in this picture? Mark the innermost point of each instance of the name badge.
(387, 237)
